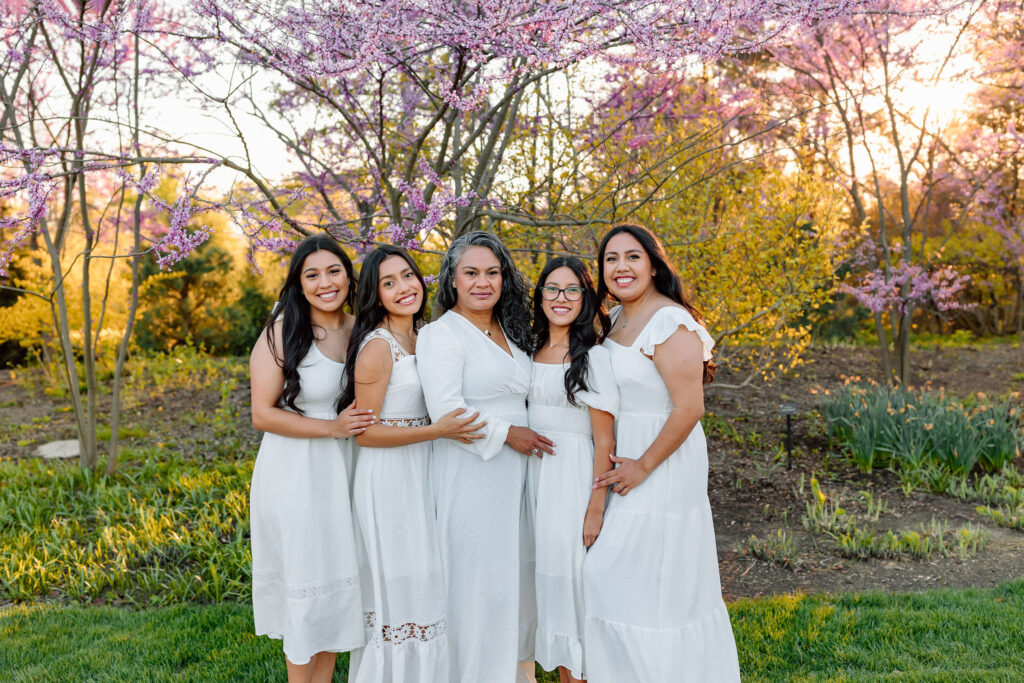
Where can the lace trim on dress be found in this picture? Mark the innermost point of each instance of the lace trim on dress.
(398, 352)
(403, 632)
(405, 421)
(304, 592)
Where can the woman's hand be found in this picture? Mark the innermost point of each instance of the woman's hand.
(464, 429)
(592, 523)
(353, 421)
(529, 442)
(627, 476)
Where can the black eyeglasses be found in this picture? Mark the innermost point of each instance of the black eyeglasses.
(572, 293)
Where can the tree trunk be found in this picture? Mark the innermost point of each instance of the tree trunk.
(883, 348)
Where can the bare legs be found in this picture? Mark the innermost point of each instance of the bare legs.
(565, 677)
(319, 669)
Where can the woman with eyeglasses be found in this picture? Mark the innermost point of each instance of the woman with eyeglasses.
(572, 400)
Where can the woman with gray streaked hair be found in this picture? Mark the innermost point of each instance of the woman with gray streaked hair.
(476, 356)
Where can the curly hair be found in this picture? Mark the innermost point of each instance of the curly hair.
(513, 307)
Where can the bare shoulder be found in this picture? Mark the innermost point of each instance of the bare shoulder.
(269, 344)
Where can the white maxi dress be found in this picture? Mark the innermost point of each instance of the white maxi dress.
(479, 494)
(654, 608)
(305, 573)
(561, 490)
(403, 584)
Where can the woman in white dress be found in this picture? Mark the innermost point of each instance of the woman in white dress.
(305, 575)
(403, 584)
(654, 608)
(573, 399)
(475, 357)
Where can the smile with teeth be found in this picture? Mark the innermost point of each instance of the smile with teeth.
(561, 309)
(328, 296)
(624, 280)
(406, 300)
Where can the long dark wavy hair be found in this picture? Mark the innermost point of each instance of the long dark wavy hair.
(666, 280)
(370, 312)
(293, 311)
(513, 307)
(582, 332)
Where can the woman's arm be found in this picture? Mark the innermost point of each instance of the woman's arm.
(604, 446)
(266, 379)
(680, 362)
(441, 361)
(373, 371)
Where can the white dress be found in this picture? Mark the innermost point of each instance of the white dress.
(561, 491)
(654, 608)
(305, 573)
(403, 584)
(478, 491)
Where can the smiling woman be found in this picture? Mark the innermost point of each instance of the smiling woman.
(305, 577)
(666, 621)
(403, 583)
(475, 358)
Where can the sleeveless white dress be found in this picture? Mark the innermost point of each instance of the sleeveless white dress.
(403, 584)
(654, 608)
(305, 572)
(479, 497)
(561, 490)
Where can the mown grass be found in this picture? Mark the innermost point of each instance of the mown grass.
(969, 635)
(948, 635)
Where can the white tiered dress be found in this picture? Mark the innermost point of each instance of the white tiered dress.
(305, 573)
(654, 608)
(478, 492)
(561, 490)
(403, 584)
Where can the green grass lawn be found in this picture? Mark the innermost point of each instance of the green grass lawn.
(970, 635)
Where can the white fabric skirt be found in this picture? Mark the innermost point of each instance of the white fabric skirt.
(305, 574)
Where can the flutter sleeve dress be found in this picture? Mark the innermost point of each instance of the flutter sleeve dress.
(653, 598)
(478, 493)
(403, 584)
(561, 489)
(305, 573)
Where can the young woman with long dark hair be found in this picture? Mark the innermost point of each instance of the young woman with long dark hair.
(573, 399)
(654, 608)
(403, 581)
(305, 575)
(475, 357)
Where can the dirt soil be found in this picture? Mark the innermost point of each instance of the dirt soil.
(751, 490)
(753, 493)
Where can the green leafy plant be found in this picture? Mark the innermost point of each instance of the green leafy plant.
(778, 548)
(905, 429)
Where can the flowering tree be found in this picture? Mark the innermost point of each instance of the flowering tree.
(990, 147)
(400, 114)
(887, 153)
(75, 166)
